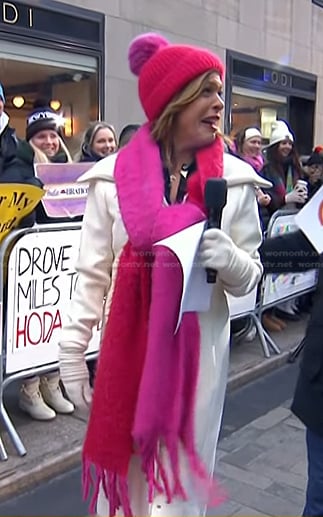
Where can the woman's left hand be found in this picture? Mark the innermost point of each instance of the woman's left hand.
(216, 249)
(262, 198)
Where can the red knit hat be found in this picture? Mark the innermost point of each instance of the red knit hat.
(165, 69)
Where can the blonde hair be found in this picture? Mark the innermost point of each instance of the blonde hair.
(163, 128)
(89, 135)
(40, 156)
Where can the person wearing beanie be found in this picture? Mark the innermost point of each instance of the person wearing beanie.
(41, 118)
(156, 408)
(43, 144)
(41, 397)
(314, 171)
(283, 169)
(99, 141)
(248, 147)
(11, 169)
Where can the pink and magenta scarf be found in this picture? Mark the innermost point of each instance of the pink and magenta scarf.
(145, 386)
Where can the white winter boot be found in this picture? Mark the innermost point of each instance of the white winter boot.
(31, 401)
(52, 394)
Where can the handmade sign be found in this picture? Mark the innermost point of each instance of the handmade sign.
(16, 202)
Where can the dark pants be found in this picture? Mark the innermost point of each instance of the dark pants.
(314, 492)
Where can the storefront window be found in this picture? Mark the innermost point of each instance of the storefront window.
(69, 81)
(259, 109)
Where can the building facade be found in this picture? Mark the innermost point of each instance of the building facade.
(75, 53)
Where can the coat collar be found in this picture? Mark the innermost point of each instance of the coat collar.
(236, 172)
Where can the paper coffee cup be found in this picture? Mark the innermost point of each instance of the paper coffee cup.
(302, 183)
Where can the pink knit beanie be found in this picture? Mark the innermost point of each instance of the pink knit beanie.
(165, 69)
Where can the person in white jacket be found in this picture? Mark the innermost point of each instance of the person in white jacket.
(158, 399)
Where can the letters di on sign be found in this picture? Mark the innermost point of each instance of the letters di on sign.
(277, 78)
(11, 14)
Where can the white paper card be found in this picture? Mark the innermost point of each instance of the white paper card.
(196, 293)
(310, 220)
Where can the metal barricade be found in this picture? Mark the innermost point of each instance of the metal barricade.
(278, 288)
(38, 274)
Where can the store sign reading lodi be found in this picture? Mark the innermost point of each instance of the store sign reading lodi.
(17, 14)
(17, 17)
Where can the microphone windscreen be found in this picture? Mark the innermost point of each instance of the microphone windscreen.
(215, 194)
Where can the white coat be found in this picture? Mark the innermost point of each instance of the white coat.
(103, 237)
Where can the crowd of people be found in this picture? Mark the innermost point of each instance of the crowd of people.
(293, 184)
(158, 394)
(44, 143)
(42, 397)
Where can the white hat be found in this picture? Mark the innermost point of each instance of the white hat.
(280, 132)
(252, 132)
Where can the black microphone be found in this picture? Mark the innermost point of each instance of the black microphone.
(215, 198)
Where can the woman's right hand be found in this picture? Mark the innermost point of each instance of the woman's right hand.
(74, 374)
(79, 393)
(296, 196)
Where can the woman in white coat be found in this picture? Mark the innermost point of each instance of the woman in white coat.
(158, 397)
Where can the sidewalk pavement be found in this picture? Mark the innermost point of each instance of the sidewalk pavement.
(55, 446)
(262, 467)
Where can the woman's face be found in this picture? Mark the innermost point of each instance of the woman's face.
(197, 125)
(47, 141)
(104, 142)
(315, 172)
(285, 147)
(252, 147)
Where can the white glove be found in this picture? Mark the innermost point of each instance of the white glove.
(216, 250)
(74, 374)
(80, 393)
(238, 271)
(296, 196)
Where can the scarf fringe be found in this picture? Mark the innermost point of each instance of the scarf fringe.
(167, 480)
(115, 489)
(158, 477)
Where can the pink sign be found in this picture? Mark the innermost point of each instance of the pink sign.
(64, 197)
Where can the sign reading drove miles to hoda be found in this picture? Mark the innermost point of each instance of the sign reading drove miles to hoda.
(42, 278)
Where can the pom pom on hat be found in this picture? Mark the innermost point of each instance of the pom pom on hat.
(165, 69)
(316, 157)
(142, 48)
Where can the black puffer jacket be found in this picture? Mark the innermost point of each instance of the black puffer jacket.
(308, 398)
(13, 170)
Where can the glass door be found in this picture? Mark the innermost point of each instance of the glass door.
(66, 80)
(258, 109)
